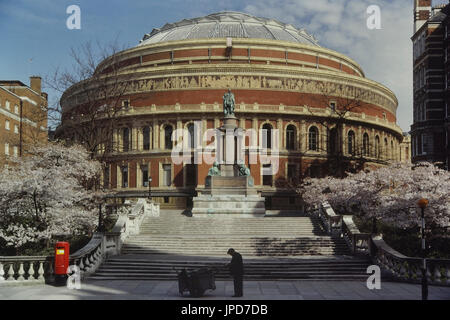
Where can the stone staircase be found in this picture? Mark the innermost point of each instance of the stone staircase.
(283, 246)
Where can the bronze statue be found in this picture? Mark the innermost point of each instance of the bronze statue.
(243, 170)
(228, 103)
(214, 170)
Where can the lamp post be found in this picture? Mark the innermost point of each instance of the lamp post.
(422, 203)
(150, 188)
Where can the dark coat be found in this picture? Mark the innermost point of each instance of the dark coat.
(236, 265)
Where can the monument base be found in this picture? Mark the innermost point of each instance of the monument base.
(228, 196)
(228, 206)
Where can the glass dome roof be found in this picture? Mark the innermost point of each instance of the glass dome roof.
(228, 24)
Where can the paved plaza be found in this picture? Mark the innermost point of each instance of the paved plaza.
(253, 290)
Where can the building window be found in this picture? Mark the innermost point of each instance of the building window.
(7, 106)
(106, 177)
(126, 139)
(386, 150)
(7, 149)
(144, 171)
(267, 175)
(126, 103)
(313, 139)
(7, 124)
(351, 143)
(168, 137)
(16, 109)
(16, 129)
(377, 147)
(365, 145)
(191, 136)
(16, 151)
(290, 137)
(267, 136)
(333, 105)
(167, 175)
(146, 138)
(124, 176)
(392, 150)
(332, 141)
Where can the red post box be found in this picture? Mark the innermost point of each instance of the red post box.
(61, 258)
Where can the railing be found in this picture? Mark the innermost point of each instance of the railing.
(22, 270)
(25, 270)
(89, 258)
(406, 268)
(330, 220)
(357, 241)
(391, 261)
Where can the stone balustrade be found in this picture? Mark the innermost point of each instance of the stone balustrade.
(357, 241)
(399, 266)
(23, 270)
(406, 268)
(330, 220)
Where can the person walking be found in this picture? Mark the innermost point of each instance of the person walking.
(236, 267)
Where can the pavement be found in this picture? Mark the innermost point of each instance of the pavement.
(253, 290)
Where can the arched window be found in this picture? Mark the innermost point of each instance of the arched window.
(168, 137)
(191, 136)
(290, 137)
(332, 141)
(386, 149)
(267, 136)
(351, 142)
(126, 139)
(377, 147)
(392, 150)
(313, 139)
(146, 138)
(365, 144)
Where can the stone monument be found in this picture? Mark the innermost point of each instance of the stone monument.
(229, 187)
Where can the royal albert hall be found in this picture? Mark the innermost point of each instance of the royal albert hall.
(312, 104)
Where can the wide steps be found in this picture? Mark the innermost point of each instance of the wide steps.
(326, 269)
(274, 248)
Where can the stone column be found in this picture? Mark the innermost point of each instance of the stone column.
(156, 134)
(303, 137)
(134, 138)
(119, 176)
(359, 140)
(280, 134)
(344, 139)
(323, 139)
(203, 131)
(140, 138)
(372, 151)
(138, 175)
(179, 136)
(115, 140)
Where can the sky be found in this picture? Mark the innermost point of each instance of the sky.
(36, 40)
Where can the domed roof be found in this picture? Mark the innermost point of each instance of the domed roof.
(228, 24)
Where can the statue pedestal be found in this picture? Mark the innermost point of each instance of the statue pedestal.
(228, 194)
